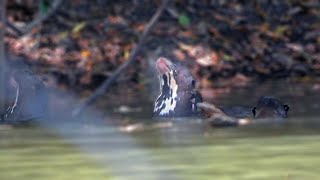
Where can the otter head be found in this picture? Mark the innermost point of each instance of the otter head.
(178, 95)
(270, 107)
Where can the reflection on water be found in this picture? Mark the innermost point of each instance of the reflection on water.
(34, 153)
(92, 149)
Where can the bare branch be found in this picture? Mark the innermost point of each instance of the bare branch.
(16, 30)
(106, 84)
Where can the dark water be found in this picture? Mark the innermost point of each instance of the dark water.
(95, 147)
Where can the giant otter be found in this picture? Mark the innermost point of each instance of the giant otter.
(179, 98)
(270, 107)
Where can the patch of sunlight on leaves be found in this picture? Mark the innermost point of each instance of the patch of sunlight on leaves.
(227, 57)
(126, 54)
(281, 29)
(78, 27)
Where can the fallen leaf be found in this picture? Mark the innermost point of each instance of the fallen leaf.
(85, 53)
(78, 27)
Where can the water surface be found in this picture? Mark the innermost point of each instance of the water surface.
(97, 149)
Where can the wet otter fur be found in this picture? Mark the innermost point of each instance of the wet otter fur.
(178, 95)
(270, 107)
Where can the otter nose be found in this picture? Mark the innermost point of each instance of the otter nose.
(163, 65)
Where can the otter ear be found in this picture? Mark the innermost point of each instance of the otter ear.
(286, 107)
(254, 111)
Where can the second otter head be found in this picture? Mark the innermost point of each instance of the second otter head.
(270, 107)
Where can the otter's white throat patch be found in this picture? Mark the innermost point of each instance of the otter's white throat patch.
(167, 100)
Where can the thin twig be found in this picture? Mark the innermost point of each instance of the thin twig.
(16, 30)
(106, 84)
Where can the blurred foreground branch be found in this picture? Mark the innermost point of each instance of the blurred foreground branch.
(107, 83)
(2, 54)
